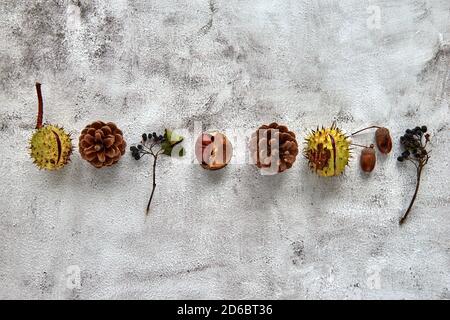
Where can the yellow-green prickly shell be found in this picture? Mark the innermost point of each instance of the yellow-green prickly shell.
(327, 151)
(50, 147)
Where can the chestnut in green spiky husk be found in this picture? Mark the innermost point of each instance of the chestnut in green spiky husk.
(327, 151)
(50, 145)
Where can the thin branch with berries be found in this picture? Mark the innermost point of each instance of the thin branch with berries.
(155, 145)
(415, 143)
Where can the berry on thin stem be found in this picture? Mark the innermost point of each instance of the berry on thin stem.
(413, 143)
(155, 145)
(150, 145)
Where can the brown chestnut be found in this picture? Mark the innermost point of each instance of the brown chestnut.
(368, 159)
(213, 150)
(384, 140)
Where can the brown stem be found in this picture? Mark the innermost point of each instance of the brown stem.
(371, 127)
(360, 145)
(155, 157)
(419, 173)
(40, 106)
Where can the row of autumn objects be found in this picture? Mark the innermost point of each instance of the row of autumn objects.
(273, 147)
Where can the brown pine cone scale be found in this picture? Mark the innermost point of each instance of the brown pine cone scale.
(263, 147)
(102, 144)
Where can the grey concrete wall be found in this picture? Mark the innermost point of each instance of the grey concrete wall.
(81, 233)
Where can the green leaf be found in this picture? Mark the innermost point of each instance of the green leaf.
(171, 139)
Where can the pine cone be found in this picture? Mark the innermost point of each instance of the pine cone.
(261, 147)
(102, 144)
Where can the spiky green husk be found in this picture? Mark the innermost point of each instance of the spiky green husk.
(327, 151)
(50, 147)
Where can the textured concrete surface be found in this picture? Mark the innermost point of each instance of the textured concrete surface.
(81, 233)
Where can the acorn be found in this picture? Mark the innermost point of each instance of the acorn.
(383, 140)
(327, 151)
(50, 145)
(368, 159)
(213, 150)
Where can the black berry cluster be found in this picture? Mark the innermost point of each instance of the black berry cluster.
(414, 144)
(149, 141)
(156, 145)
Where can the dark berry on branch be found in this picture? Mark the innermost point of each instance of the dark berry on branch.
(412, 144)
(144, 137)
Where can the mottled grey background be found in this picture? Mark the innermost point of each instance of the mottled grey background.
(81, 233)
